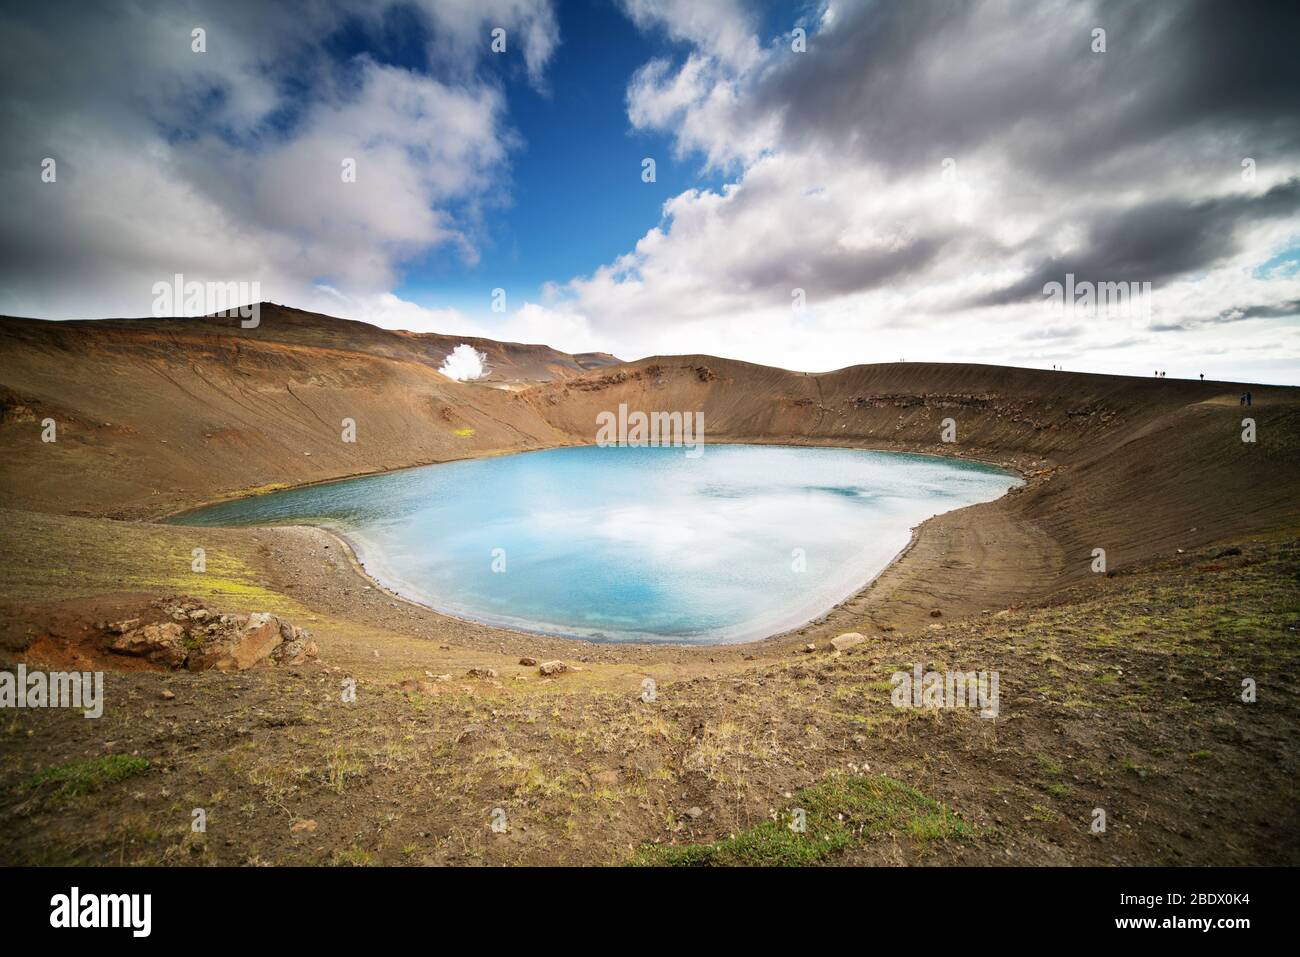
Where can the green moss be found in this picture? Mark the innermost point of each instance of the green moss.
(839, 812)
(89, 775)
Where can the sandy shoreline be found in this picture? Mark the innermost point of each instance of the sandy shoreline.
(836, 610)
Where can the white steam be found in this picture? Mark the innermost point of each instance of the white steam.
(464, 363)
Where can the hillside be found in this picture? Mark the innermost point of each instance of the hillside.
(1139, 467)
(158, 415)
(155, 414)
(1119, 691)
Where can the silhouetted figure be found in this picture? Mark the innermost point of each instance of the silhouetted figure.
(1249, 398)
(1202, 376)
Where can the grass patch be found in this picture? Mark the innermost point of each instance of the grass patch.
(839, 813)
(77, 778)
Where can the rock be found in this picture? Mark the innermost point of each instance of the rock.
(167, 694)
(482, 672)
(290, 652)
(695, 812)
(299, 826)
(936, 613)
(249, 640)
(550, 668)
(846, 641)
(199, 639)
(809, 648)
(162, 643)
(528, 660)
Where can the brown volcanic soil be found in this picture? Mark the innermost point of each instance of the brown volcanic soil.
(1119, 691)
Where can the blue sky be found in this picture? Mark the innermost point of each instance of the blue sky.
(575, 194)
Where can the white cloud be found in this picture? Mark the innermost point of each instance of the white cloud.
(841, 190)
(213, 165)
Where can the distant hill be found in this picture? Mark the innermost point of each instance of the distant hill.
(511, 363)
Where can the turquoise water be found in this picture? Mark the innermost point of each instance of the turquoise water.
(634, 544)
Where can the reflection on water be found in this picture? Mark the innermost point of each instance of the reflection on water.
(640, 544)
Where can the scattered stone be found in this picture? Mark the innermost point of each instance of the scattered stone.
(167, 694)
(809, 648)
(482, 672)
(528, 660)
(694, 812)
(298, 826)
(549, 668)
(936, 613)
(846, 641)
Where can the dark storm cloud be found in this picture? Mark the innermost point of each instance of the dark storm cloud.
(834, 272)
(906, 83)
(1154, 241)
(1281, 310)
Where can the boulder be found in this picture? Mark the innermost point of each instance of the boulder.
(551, 668)
(248, 640)
(528, 660)
(180, 632)
(162, 643)
(846, 641)
(482, 672)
